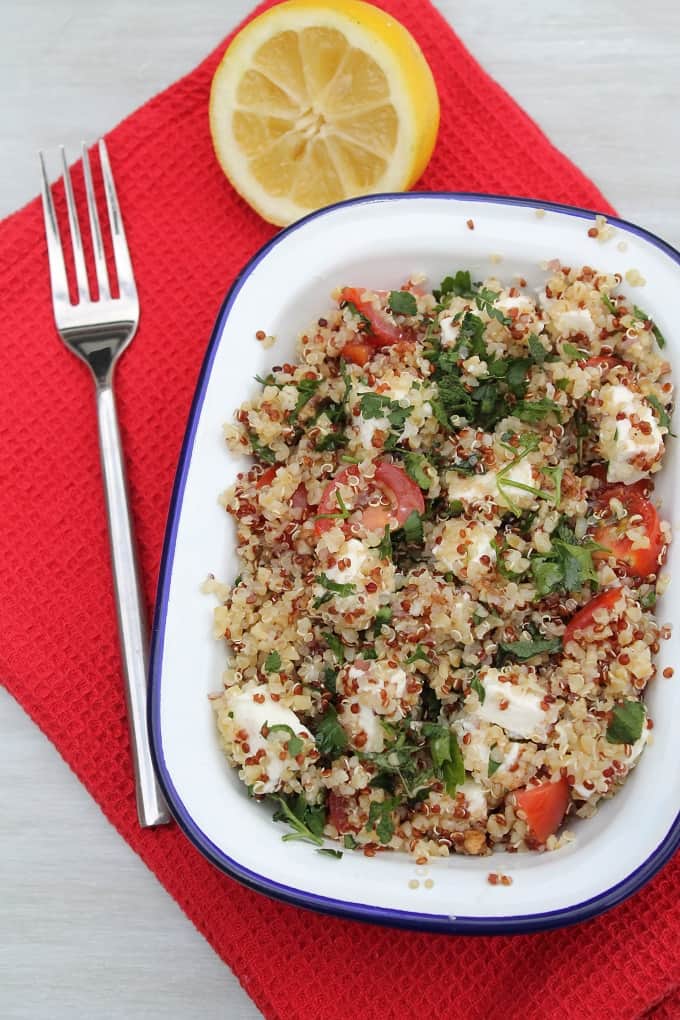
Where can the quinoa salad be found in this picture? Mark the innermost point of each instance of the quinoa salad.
(449, 551)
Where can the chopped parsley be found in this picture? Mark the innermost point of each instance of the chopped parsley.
(330, 678)
(459, 285)
(664, 417)
(336, 646)
(415, 465)
(572, 352)
(327, 852)
(493, 766)
(447, 757)
(478, 687)
(306, 389)
(383, 616)
(418, 655)
(532, 411)
(380, 818)
(642, 316)
(294, 745)
(265, 453)
(609, 304)
(524, 650)
(485, 299)
(272, 664)
(332, 588)
(384, 547)
(402, 302)
(306, 820)
(568, 565)
(536, 349)
(331, 739)
(627, 720)
(349, 842)
(413, 528)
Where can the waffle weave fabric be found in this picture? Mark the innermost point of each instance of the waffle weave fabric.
(189, 234)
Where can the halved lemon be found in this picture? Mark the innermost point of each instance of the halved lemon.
(315, 101)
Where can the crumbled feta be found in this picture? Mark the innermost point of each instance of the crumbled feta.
(462, 547)
(631, 452)
(250, 715)
(516, 706)
(449, 331)
(476, 488)
(475, 800)
(368, 428)
(354, 551)
(578, 320)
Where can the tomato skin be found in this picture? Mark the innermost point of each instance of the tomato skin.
(299, 497)
(634, 562)
(584, 617)
(402, 493)
(383, 332)
(266, 478)
(602, 361)
(338, 813)
(544, 806)
(357, 352)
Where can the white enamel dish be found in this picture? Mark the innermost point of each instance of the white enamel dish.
(377, 242)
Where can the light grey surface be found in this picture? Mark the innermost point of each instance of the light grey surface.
(86, 929)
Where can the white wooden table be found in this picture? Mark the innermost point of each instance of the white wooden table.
(86, 930)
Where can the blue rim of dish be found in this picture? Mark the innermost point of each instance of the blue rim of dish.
(490, 925)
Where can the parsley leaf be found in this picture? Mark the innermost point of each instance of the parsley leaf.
(332, 588)
(459, 285)
(331, 739)
(413, 528)
(380, 817)
(533, 411)
(385, 545)
(642, 316)
(478, 687)
(336, 646)
(330, 677)
(306, 389)
(265, 453)
(272, 664)
(536, 349)
(402, 302)
(349, 842)
(418, 654)
(485, 302)
(525, 649)
(294, 745)
(626, 723)
(331, 853)
(608, 304)
(307, 820)
(493, 767)
(572, 352)
(384, 615)
(664, 417)
(446, 755)
(415, 468)
(567, 567)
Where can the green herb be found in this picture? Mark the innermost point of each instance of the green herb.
(272, 664)
(355, 311)
(383, 616)
(485, 302)
(305, 819)
(336, 646)
(332, 441)
(446, 755)
(643, 317)
(294, 745)
(456, 507)
(413, 528)
(385, 545)
(331, 853)
(493, 767)
(330, 677)
(265, 453)
(608, 304)
(369, 653)
(478, 687)
(398, 762)
(572, 351)
(380, 818)
(237, 581)
(525, 650)
(536, 349)
(342, 513)
(349, 842)
(418, 655)
(648, 601)
(331, 739)
(664, 417)
(415, 465)
(626, 723)
(269, 380)
(567, 567)
(402, 302)
(306, 389)
(562, 384)
(375, 405)
(332, 588)
(459, 285)
(556, 474)
(533, 411)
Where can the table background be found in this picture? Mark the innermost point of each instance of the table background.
(86, 930)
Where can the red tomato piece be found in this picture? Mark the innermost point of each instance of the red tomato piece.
(383, 332)
(338, 812)
(401, 492)
(266, 478)
(299, 497)
(544, 807)
(357, 352)
(612, 533)
(603, 361)
(585, 617)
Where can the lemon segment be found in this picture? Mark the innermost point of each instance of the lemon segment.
(315, 101)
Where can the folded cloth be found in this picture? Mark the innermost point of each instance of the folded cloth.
(189, 234)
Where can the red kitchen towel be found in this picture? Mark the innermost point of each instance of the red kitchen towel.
(189, 235)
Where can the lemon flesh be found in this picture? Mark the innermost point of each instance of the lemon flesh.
(316, 101)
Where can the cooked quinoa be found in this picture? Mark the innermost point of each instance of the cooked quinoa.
(442, 629)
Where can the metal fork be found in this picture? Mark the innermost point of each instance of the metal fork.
(97, 332)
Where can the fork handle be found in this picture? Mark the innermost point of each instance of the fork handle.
(151, 808)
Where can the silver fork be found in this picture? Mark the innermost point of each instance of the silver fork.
(98, 332)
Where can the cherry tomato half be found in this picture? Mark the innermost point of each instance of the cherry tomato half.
(382, 332)
(585, 617)
(612, 534)
(544, 807)
(357, 352)
(400, 492)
